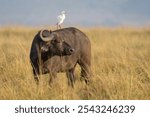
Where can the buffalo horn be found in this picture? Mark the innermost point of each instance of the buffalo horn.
(46, 38)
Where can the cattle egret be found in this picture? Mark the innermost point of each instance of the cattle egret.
(60, 19)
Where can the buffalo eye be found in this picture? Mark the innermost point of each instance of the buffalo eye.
(55, 41)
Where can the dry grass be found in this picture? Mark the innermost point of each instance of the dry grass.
(120, 66)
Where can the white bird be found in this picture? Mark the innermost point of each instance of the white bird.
(60, 19)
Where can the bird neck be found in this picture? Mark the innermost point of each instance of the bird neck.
(63, 15)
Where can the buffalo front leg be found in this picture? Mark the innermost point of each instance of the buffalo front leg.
(71, 77)
(36, 76)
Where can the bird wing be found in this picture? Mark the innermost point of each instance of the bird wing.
(59, 18)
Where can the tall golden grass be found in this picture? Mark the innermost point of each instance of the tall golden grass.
(120, 66)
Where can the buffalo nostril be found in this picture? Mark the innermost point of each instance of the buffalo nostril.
(71, 50)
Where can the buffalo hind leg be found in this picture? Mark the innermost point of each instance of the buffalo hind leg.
(85, 70)
(71, 77)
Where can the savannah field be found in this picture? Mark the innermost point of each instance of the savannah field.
(120, 66)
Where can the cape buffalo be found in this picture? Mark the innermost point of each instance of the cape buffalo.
(60, 51)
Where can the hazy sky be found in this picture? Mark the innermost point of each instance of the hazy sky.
(80, 12)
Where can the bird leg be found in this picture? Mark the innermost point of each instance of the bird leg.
(59, 26)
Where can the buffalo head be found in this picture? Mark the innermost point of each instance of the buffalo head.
(55, 44)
